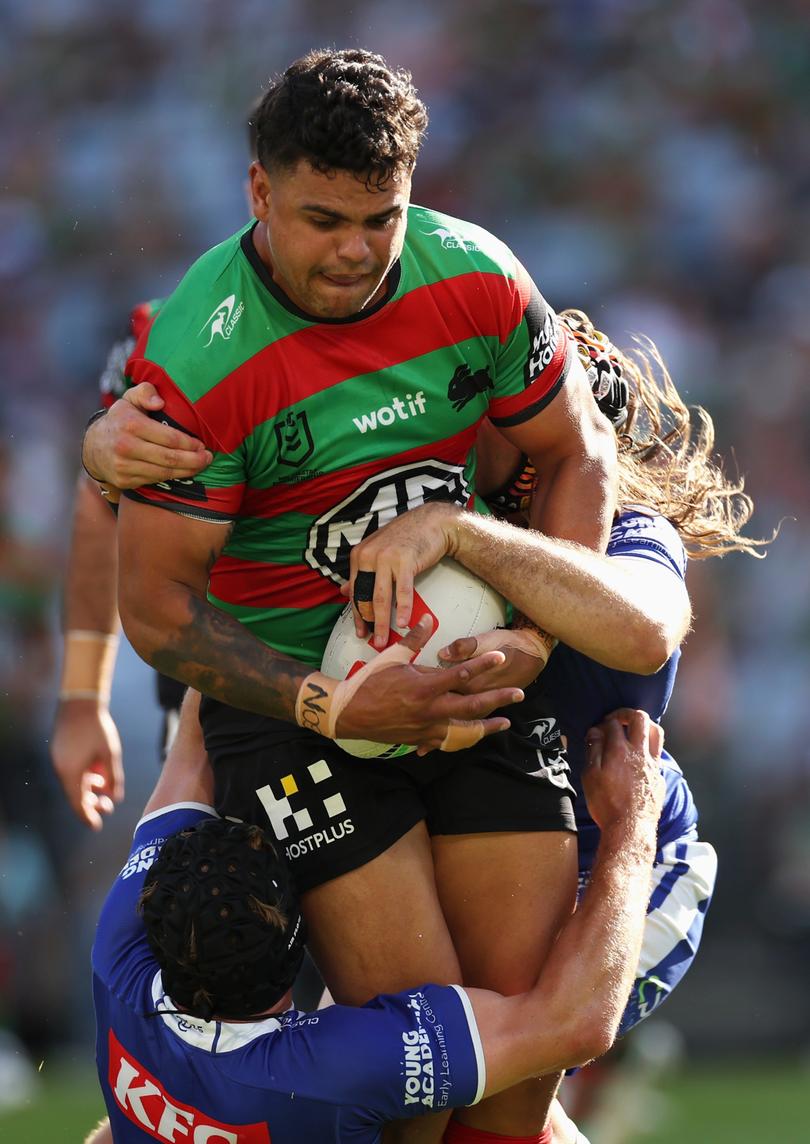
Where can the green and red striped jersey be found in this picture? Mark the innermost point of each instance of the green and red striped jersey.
(322, 430)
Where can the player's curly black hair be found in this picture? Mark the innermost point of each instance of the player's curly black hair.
(342, 111)
(222, 920)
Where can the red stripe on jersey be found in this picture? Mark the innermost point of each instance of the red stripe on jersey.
(254, 584)
(321, 493)
(320, 356)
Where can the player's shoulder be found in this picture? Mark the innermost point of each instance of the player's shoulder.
(191, 336)
(457, 244)
(637, 529)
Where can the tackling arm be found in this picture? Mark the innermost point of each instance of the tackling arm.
(572, 1013)
(626, 614)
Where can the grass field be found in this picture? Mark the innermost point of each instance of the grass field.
(707, 1104)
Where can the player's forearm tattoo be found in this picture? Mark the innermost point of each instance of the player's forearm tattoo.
(215, 654)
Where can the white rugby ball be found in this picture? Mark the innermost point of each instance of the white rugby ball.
(459, 603)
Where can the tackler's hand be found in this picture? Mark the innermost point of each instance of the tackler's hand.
(622, 778)
(525, 651)
(126, 448)
(384, 565)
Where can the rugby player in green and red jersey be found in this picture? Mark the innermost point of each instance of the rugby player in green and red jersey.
(337, 357)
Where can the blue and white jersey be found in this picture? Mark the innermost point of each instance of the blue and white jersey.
(582, 692)
(335, 1075)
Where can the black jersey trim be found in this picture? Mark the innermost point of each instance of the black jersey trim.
(537, 406)
(533, 409)
(252, 255)
(192, 512)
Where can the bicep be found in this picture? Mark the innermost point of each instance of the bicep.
(158, 548)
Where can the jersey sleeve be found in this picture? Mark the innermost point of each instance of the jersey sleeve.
(648, 537)
(535, 357)
(216, 493)
(120, 933)
(401, 1055)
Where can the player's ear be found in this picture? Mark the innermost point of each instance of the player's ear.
(258, 190)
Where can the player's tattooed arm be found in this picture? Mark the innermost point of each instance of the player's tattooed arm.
(170, 623)
(216, 655)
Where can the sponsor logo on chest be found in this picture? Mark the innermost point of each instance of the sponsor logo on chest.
(412, 406)
(373, 504)
(145, 1102)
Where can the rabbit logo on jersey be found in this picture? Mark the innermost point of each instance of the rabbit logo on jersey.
(378, 500)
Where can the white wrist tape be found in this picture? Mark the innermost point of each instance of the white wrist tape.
(321, 699)
(533, 641)
(461, 735)
(88, 666)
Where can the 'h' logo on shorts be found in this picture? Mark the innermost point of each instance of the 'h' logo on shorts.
(279, 810)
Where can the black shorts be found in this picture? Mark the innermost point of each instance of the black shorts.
(332, 812)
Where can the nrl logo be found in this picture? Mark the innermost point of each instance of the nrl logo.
(450, 240)
(223, 320)
(294, 439)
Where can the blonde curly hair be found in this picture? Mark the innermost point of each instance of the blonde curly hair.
(666, 460)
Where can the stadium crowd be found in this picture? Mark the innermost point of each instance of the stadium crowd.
(656, 145)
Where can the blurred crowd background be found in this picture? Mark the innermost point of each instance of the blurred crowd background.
(648, 160)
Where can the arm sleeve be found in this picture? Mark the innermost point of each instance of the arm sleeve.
(120, 933)
(648, 537)
(401, 1055)
(535, 357)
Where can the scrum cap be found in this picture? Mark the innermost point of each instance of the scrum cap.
(222, 920)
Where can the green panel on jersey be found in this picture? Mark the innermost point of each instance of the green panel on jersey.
(442, 247)
(273, 541)
(383, 404)
(205, 332)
